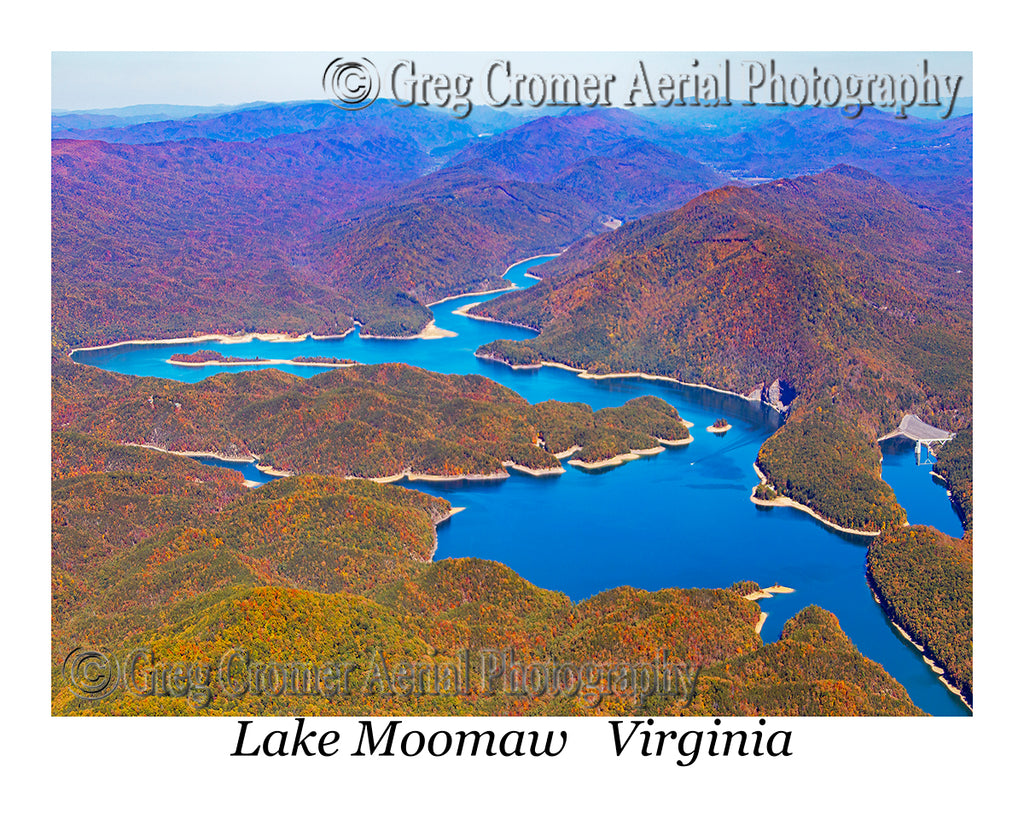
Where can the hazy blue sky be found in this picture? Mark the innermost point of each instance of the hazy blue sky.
(83, 80)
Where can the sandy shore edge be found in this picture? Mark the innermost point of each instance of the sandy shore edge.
(276, 337)
(220, 456)
(260, 362)
(782, 500)
(770, 591)
(676, 442)
(617, 460)
(415, 476)
(218, 337)
(584, 374)
(451, 513)
(473, 293)
(512, 285)
(428, 333)
(464, 312)
(764, 594)
(427, 478)
(934, 666)
(537, 473)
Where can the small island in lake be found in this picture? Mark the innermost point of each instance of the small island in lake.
(721, 426)
(203, 358)
(210, 357)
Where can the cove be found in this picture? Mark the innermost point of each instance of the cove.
(921, 493)
(681, 518)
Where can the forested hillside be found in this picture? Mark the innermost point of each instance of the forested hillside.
(925, 582)
(925, 579)
(956, 465)
(834, 284)
(298, 217)
(822, 461)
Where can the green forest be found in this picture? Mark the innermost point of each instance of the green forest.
(925, 580)
(955, 464)
(825, 462)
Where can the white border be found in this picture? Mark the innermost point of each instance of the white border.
(842, 767)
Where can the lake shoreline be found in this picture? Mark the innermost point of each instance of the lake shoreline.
(409, 475)
(930, 661)
(223, 338)
(483, 478)
(258, 363)
(220, 456)
(219, 338)
(598, 377)
(452, 512)
(781, 501)
(428, 333)
(784, 502)
(463, 311)
(512, 285)
(765, 594)
(617, 460)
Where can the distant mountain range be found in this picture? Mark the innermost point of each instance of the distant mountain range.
(301, 216)
(86, 118)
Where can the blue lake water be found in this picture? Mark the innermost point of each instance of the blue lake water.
(922, 494)
(681, 518)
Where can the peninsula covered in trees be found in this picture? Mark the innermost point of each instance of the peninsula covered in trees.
(375, 421)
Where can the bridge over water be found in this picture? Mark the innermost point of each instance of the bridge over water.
(915, 429)
(919, 432)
